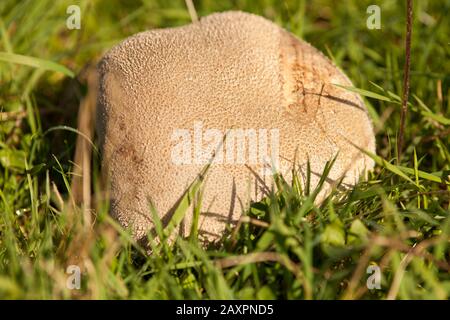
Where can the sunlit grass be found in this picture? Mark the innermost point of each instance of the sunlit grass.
(285, 246)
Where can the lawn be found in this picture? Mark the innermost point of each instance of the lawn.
(393, 227)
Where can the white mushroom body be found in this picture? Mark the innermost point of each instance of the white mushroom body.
(234, 71)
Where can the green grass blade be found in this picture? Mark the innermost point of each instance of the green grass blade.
(185, 202)
(366, 93)
(35, 62)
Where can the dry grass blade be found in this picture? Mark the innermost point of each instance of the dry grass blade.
(349, 293)
(81, 183)
(409, 17)
(246, 219)
(192, 11)
(417, 250)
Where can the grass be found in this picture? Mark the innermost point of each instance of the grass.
(284, 247)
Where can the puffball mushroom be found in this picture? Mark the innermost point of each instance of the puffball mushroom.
(229, 72)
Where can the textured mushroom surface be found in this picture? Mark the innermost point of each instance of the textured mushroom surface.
(229, 71)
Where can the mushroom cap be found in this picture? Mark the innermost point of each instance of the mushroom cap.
(230, 70)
